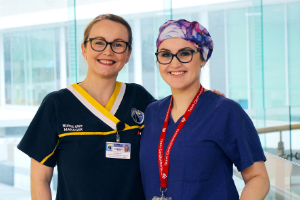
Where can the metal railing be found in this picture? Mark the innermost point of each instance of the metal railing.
(284, 174)
(280, 147)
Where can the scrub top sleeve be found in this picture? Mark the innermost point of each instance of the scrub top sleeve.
(149, 98)
(145, 95)
(242, 144)
(41, 139)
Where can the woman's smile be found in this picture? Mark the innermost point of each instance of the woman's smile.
(176, 73)
(106, 61)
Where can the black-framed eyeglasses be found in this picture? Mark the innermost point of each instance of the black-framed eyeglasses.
(98, 44)
(184, 56)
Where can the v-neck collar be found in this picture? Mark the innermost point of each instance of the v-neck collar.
(113, 97)
(106, 114)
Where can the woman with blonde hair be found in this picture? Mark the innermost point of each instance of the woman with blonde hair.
(83, 128)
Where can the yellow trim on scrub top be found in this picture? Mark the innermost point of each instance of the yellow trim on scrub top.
(44, 160)
(127, 127)
(95, 103)
(114, 96)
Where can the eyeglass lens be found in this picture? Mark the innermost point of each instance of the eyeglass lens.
(167, 57)
(116, 46)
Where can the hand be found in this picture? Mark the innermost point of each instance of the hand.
(218, 92)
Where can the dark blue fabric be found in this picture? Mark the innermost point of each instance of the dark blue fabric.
(83, 170)
(217, 135)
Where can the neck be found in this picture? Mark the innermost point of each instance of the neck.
(100, 89)
(182, 100)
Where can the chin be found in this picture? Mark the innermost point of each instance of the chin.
(177, 86)
(107, 74)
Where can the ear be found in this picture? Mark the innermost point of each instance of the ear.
(203, 64)
(128, 56)
(83, 49)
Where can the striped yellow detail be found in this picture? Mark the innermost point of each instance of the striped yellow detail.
(94, 103)
(127, 127)
(44, 160)
(113, 97)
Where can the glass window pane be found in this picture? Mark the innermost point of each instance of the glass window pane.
(42, 45)
(18, 68)
(274, 56)
(293, 30)
(237, 56)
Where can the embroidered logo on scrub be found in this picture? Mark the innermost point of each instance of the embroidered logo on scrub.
(137, 115)
(72, 128)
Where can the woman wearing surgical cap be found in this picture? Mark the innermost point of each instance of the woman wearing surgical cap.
(91, 130)
(193, 137)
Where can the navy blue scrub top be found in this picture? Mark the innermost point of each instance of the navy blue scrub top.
(84, 172)
(217, 135)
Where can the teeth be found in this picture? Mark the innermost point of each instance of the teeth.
(176, 73)
(106, 62)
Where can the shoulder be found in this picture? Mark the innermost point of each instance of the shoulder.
(57, 95)
(230, 112)
(220, 107)
(158, 105)
(56, 99)
(139, 93)
(222, 103)
(133, 87)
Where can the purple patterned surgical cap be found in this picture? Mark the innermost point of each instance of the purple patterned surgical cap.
(193, 32)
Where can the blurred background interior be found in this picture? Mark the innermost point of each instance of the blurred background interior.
(256, 62)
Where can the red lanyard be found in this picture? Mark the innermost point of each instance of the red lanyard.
(163, 164)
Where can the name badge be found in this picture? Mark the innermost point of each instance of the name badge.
(118, 150)
(162, 198)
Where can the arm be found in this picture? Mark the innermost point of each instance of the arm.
(41, 176)
(257, 182)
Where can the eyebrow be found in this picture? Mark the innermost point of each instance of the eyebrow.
(182, 49)
(117, 39)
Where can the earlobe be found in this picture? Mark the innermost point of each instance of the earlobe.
(83, 51)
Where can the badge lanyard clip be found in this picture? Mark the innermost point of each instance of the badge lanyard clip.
(120, 127)
(162, 192)
(118, 138)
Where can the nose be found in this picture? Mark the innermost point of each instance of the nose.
(175, 62)
(108, 50)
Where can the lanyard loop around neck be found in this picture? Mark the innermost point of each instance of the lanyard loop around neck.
(163, 163)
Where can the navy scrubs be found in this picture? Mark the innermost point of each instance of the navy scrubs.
(67, 133)
(217, 135)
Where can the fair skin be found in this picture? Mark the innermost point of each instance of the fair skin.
(100, 82)
(40, 176)
(183, 78)
(104, 66)
(103, 69)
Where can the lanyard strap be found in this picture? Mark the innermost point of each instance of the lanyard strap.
(163, 164)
